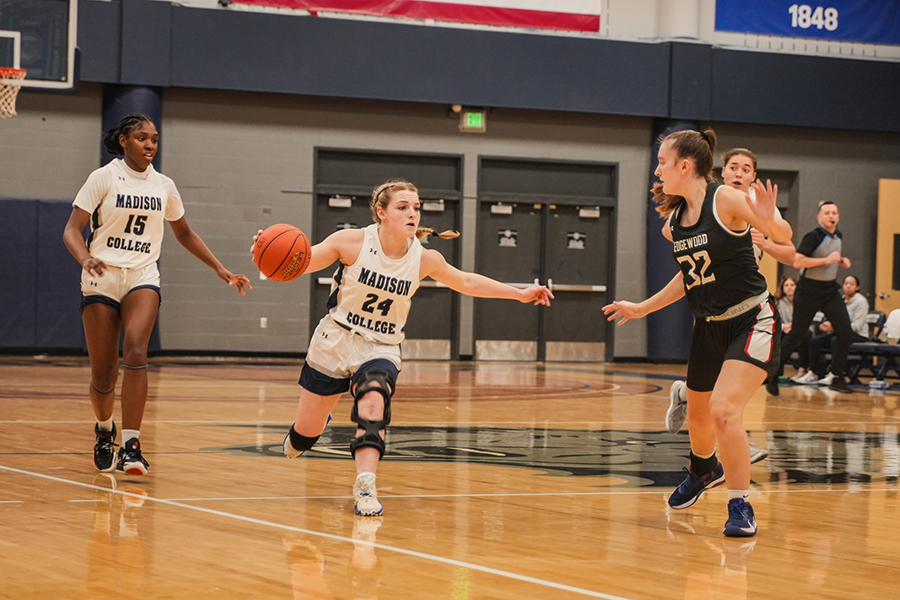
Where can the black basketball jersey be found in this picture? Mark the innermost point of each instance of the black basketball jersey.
(718, 264)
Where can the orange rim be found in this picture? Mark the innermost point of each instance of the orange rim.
(10, 73)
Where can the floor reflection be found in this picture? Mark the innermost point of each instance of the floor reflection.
(115, 555)
(314, 576)
(833, 456)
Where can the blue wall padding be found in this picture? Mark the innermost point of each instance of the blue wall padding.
(669, 329)
(18, 294)
(58, 280)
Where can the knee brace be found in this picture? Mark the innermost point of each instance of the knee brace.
(385, 387)
(296, 444)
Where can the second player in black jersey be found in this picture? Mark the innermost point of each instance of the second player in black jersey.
(735, 320)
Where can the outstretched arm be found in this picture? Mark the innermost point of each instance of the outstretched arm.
(673, 291)
(192, 242)
(472, 284)
(343, 245)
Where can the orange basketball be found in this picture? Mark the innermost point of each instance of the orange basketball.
(281, 252)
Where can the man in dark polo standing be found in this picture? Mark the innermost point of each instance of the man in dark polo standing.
(818, 258)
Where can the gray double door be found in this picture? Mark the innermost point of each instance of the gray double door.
(344, 183)
(552, 223)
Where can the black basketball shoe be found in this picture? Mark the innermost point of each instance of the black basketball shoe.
(130, 459)
(104, 449)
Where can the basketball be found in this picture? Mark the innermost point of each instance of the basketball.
(281, 252)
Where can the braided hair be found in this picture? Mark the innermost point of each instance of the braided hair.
(128, 124)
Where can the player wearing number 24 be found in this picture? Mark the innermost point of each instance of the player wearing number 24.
(356, 346)
(736, 325)
(126, 203)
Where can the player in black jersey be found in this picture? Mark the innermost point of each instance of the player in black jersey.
(735, 319)
(738, 171)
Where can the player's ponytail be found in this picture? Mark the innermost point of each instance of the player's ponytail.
(696, 146)
(128, 124)
(449, 234)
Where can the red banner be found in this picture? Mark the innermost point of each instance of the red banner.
(485, 12)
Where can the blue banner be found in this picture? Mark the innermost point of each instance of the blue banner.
(867, 21)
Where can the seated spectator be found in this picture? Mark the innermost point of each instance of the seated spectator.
(858, 310)
(784, 299)
(891, 331)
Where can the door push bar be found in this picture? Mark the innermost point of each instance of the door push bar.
(559, 287)
(566, 287)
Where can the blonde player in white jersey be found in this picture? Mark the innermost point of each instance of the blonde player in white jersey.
(356, 346)
(126, 203)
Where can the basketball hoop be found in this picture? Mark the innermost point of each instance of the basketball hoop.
(10, 84)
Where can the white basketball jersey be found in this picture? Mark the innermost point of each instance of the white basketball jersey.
(128, 211)
(373, 295)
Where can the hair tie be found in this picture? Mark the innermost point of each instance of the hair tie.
(705, 138)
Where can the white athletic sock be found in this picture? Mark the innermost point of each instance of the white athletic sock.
(742, 494)
(365, 474)
(704, 455)
(105, 425)
(127, 434)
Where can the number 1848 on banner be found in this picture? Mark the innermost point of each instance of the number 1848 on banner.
(867, 21)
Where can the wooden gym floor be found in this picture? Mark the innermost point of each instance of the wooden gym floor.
(503, 481)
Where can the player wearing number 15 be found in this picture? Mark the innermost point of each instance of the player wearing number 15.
(356, 346)
(735, 319)
(126, 203)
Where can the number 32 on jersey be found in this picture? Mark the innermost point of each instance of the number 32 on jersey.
(702, 259)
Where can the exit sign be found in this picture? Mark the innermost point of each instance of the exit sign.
(473, 121)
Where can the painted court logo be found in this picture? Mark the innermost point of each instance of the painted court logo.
(625, 458)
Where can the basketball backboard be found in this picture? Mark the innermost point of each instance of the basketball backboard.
(40, 36)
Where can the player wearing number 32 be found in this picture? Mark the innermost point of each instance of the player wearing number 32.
(126, 203)
(735, 319)
(356, 346)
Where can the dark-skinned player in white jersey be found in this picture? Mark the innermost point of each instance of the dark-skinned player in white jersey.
(356, 345)
(127, 203)
(736, 323)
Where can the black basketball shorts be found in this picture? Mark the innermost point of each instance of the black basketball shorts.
(753, 337)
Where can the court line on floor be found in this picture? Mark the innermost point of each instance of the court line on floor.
(481, 423)
(381, 494)
(412, 553)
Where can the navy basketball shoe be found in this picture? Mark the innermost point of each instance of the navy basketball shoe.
(741, 522)
(693, 485)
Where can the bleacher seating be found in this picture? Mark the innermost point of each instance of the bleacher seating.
(877, 356)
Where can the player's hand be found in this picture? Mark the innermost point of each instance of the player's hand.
(539, 294)
(844, 262)
(253, 245)
(758, 238)
(236, 280)
(94, 266)
(625, 310)
(764, 204)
